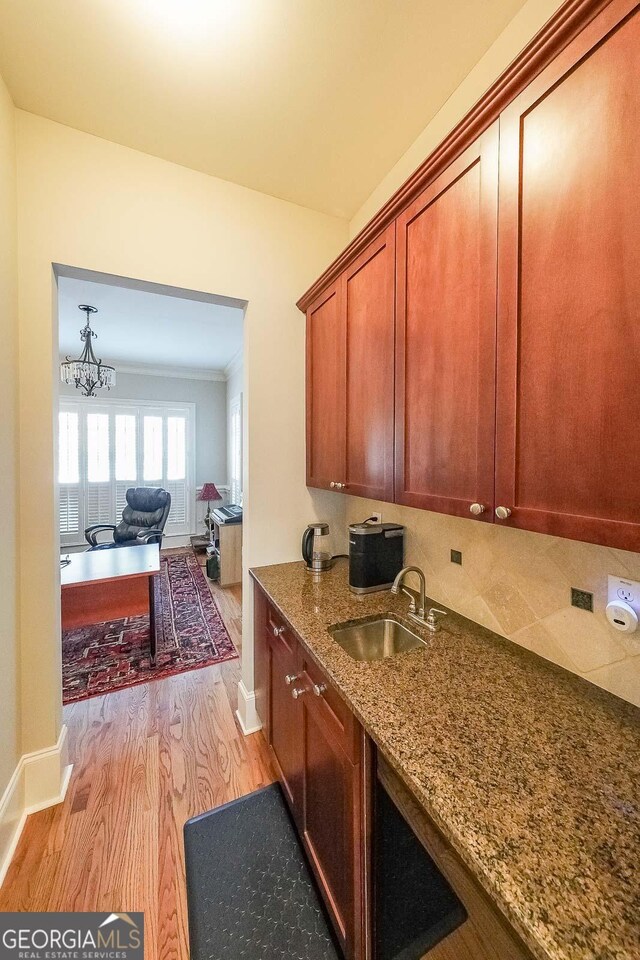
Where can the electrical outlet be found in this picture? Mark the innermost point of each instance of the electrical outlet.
(582, 599)
(456, 556)
(377, 517)
(628, 590)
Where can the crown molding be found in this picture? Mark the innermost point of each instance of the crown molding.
(178, 373)
(567, 22)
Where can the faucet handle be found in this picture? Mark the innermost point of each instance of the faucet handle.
(432, 620)
(412, 598)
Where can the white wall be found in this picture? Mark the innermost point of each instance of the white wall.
(210, 399)
(92, 204)
(10, 747)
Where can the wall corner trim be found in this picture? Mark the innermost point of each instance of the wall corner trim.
(39, 780)
(246, 713)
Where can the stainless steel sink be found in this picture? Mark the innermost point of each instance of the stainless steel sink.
(375, 638)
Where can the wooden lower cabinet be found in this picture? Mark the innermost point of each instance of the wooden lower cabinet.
(326, 764)
(284, 724)
(319, 751)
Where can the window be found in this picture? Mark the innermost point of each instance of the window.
(98, 447)
(68, 471)
(152, 449)
(176, 459)
(68, 467)
(126, 450)
(106, 447)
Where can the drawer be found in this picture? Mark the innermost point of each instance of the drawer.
(278, 632)
(331, 709)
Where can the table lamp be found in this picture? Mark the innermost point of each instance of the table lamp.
(207, 493)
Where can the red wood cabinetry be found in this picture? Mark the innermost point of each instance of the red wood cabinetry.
(350, 336)
(318, 749)
(326, 389)
(332, 812)
(445, 337)
(568, 446)
(517, 283)
(368, 298)
(284, 712)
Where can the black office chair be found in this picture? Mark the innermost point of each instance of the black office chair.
(143, 520)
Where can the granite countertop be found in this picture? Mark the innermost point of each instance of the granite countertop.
(531, 773)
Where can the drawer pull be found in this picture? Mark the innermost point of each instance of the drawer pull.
(503, 513)
(297, 692)
(319, 689)
(290, 678)
(277, 631)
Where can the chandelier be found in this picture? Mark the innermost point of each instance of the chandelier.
(87, 373)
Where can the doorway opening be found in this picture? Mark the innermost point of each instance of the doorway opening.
(149, 480)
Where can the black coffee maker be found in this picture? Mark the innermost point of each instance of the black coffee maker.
(376, 555)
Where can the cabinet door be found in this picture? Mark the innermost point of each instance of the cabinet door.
(445, 337)
(568, 444)
(284, 716)
(326, 389)
(331, 826)
(368, 298)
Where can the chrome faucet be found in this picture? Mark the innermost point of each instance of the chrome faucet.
(417, 613)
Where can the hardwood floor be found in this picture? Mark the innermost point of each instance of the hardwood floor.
(145, 760)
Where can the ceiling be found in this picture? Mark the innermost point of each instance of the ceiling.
(312, 101)
(140, 328)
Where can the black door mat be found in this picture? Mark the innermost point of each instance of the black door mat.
(250, 894)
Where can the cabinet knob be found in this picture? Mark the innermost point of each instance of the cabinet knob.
(319, 689)
(297, 692)
(332, 484)
(340, 486)
(277, 631)
(503, 513)
(477, 508)
(290, 678)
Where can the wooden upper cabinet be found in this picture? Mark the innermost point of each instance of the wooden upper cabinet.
(368, 298)
(326, 334)
(445, 337)
(350, 371)
(568, 444)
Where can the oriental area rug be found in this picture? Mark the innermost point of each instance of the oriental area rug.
(104, 657)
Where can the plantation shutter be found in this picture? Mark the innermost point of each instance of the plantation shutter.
(69, 512)
(106, 447)
(69, 492)
(99, 501)
(176, 466)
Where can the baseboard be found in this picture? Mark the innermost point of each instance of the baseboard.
(39, 780)
(246, 713)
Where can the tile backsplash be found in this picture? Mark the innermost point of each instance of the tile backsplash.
(518, 584)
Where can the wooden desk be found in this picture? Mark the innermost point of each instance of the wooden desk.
(101, 585)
